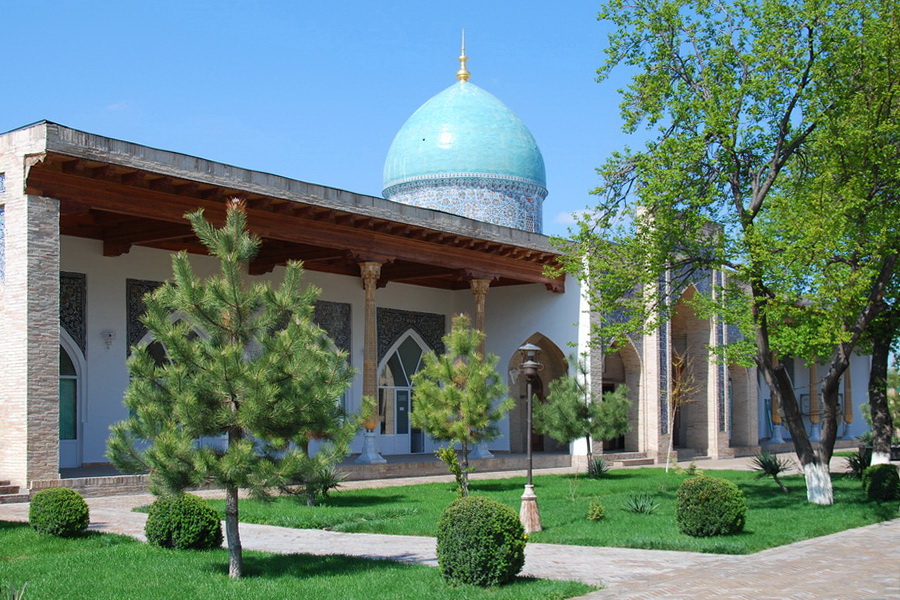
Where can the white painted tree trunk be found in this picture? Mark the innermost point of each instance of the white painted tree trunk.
(818, 484)
(881, 458)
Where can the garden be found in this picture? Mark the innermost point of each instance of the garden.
(638, 510)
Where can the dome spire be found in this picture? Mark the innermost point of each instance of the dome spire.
(463, 73)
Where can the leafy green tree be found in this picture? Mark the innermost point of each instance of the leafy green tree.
(245, 364)
(573, 412)
(457, 394)
(760, 169)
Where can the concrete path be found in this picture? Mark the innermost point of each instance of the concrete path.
(859, 564)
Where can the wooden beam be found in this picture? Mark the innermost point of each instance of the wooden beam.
(442, 251)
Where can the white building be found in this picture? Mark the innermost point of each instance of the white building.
(87, 225)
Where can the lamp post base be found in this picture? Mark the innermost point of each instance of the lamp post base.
(528, 514)
(370, 454)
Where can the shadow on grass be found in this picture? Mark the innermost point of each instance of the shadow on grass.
(303, 566)
(497, 485)
(361, 500)
(12, 525)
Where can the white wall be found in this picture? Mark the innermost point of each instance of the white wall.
(512, 314)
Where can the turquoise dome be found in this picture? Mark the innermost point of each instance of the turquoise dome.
(464, 131)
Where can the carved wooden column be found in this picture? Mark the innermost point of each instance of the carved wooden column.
(480, 290)
(370, 272)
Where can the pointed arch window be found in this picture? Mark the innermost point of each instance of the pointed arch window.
(395, 389)
(68, 397)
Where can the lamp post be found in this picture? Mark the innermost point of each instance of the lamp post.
(528, 513)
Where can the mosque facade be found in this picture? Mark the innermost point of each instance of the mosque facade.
(88, 224)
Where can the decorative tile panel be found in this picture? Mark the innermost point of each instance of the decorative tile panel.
(2, 242)
(393, 323)
(334, 318)
(505, 202)
(664, 362)
(664, 378)
(722, 375)
(135, 289)
(73, 307)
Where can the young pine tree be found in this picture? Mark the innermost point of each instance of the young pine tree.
(245, 365)
(572, 412)
(457, 394)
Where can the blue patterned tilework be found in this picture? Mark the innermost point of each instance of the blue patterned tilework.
(2, 242)
(488, 199)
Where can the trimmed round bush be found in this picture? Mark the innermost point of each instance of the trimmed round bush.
(183, 521)
(59, 511)
(708, 506)
(480, 542)
(881, 483)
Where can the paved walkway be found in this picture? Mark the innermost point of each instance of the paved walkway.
(859, 564)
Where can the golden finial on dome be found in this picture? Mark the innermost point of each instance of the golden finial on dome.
(463, 73)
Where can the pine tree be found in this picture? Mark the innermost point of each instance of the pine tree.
(455, 393)
(572, 412)
(247, 381)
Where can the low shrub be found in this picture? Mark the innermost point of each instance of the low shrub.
(857, 463)
(59, 511)
(598, 467)
(447, 455)
(480, 542)
(641, 504)
(183, 521)
(881, 483)
(595, 511)
(708, 506)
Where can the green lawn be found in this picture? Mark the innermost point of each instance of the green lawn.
(773, 518)
(101, 566)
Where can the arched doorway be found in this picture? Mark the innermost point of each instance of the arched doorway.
(743, 426)
(690, 341)
(71, 400)
(622, 366)
(395, 394)
(555, 365)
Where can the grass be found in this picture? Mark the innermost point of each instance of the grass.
(102, 566)
(773, 518)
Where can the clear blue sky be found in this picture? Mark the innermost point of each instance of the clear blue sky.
(311, 90)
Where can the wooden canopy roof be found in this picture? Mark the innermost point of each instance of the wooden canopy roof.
(127, 195)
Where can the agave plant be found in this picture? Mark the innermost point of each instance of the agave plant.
(771, 465)
(598, 467)
(641, 504)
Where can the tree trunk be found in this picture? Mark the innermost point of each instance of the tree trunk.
(235, 553)
(465, 468)
(590, 456)
(882, 427)
(818, 479)
(671, 425)
(815, 469)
